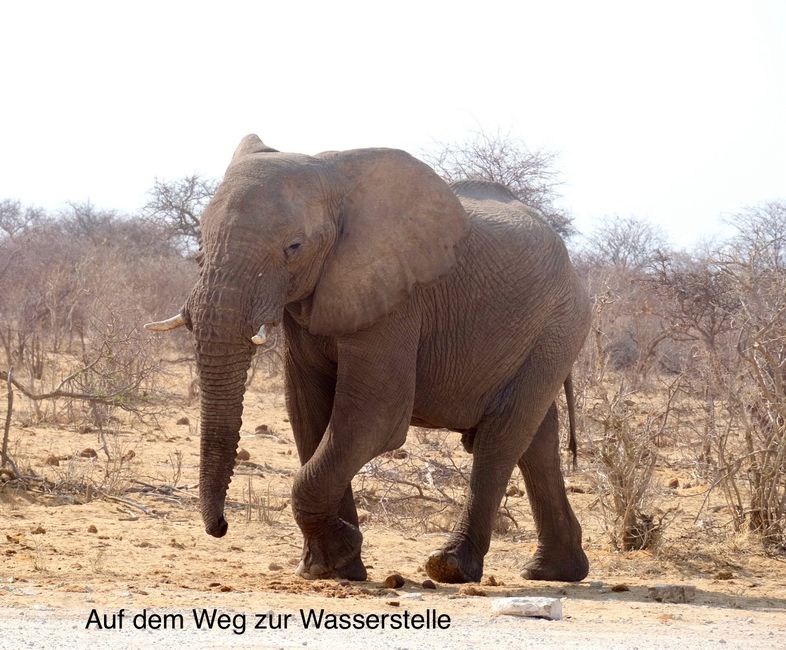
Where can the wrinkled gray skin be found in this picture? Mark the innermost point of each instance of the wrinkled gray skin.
(403, 301)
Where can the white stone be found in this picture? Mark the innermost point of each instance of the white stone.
(537, 606)
(414, 595)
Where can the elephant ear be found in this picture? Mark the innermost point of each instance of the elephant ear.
(249, 145)
(399, 226)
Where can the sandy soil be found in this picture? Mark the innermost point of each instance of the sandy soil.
(140, 545)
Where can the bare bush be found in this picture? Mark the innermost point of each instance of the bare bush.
(71, 307)
(753, 263)
(627, 454)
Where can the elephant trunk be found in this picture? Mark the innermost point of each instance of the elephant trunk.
(222, 385)
(225, 314)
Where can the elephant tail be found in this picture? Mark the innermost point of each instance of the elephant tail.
(571, 419)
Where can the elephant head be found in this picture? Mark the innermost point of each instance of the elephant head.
(338, 239)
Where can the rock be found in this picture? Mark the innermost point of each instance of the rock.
(243, 454)
(575, 489)
(537, 606)
(672, 593)
(88, 452)
(38, 530)
(724, 575)
(52, 460)
(502, 523)
(428, 584)
(620, 587)
(262, 428)
(674, 483)
(183, 421)
(392, 603)
(394, 581)
(274, 567)
(92, 529)
(595, 584)
(400, 453)
(415, 595)
(344, 583)
(363, 516)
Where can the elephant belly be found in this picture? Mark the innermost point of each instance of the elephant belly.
(455, 395)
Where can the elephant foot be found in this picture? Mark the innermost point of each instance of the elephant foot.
(572, 568)
(453, 565)
(334, 551)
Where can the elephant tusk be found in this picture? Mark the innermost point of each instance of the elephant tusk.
(260, 337)
(166, 325)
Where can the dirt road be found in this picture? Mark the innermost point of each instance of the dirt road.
(587, 624)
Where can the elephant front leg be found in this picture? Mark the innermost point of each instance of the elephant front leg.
(372, 408)
(332, 549)
(338, 547)
(311, 386)
(331, 543)
(325, 511)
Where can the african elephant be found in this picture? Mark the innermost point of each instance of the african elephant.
(403, 301)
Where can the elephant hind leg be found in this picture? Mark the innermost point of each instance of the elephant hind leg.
(559, 555)
(501, 439)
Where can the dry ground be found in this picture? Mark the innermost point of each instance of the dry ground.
(141, 545)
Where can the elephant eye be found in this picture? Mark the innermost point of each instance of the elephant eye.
(293, 247)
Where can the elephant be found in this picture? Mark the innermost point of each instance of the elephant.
(403, 301)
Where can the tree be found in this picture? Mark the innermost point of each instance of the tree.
(85, 221)
(530, 175)
(178, 205)
(16, 219)
(627, 243)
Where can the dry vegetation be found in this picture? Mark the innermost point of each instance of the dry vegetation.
(681, 397)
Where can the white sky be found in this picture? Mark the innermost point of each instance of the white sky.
(673, 111)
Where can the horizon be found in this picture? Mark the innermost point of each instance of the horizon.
(671, 116)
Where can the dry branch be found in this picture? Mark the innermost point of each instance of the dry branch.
(6, 459)
(110, 399)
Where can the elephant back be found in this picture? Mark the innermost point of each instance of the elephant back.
(482, 190)
(493, 201)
